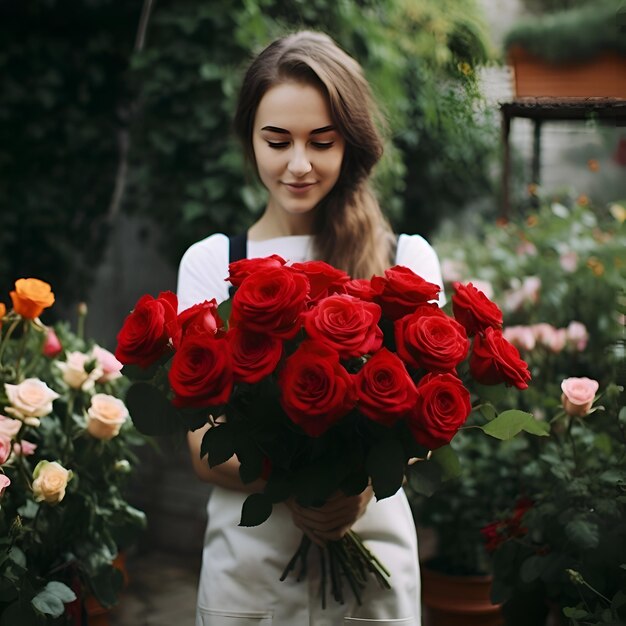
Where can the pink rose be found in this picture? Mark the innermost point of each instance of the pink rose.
(577, 336)
(578, 395)
(569, 261)
(9, 427)
(5, 481)
(5, 449)
(522, 337)
(111, 368)
(550, 337)
(24, 448)
(51, 346)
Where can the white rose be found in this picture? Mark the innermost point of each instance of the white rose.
(110, 366)
(105, 416)
(30, 400)
(75, 374)
(50, 481)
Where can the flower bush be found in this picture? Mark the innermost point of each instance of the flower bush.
(65, 454)
(559, 274)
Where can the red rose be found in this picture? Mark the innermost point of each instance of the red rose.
(360, 288)
(386, 391)
(443, 405)
(494, 360)
(401, 290)
(200, 318)
(316, 391)
(255, 355)
(146, 332)
(238, 270)
(323, 278)
(346, 324)
(271, 302)
(430, 339)
(201, 372)
(474, 310)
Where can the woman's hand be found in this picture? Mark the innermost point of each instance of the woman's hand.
(333, 520)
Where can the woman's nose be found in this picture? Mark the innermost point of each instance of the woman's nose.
(299, 164)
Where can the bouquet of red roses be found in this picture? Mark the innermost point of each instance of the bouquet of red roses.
(319, 383)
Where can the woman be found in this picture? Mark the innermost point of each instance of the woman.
(307, 122)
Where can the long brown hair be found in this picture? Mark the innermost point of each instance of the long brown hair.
(350, 230)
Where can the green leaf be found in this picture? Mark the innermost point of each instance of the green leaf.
(575, 613)
(219, 443)
(106, 585)
(448, 460)
(425, 477)
(48, 603)
(17, 556)
(508, 424)
(622, 415)
(532, 568)
(224, 310)
(535, 427)
(61, 591)
(385, 464)
(19, 613)
(257, 507)
(583, 533)
(151, 412)
(136, 373)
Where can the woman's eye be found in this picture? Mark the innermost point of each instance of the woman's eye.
(277, 145)
(323, 145)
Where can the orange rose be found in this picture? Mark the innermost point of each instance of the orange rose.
(31, 297)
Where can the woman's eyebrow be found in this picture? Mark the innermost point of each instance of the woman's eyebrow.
(283, 131)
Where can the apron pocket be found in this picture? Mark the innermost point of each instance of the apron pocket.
(217, 617)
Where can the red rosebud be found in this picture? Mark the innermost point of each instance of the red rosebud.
(494, 360)
(323, 278)
(474, 310)
(386, 391)
(200, 318)
(430, 339)
(202, 372)
(255, 355)
(316, 391)
(401, 290)
(346, 324)
(239, 270)
(52, 345)
(271, 302)
(443, 405)
(146, 332)
(360, 288)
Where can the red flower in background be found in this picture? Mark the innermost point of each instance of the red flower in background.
(474, 310)
(316, 390)
(254, 355)
(443, 405)
(323, 278)
(496, 533)
(147, 331)
(239, 270)
(271, 302)
(346, 324)
(494, 360)
(386, 391)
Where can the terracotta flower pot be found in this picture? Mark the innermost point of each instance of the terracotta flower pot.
(458, 600)
(601, 77)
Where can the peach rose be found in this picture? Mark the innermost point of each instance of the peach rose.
(50, 481)
(30, 400)
(107, 362)
(5, 481)
(9, 427)
(105, 416)
(31, 297)
(80, 371)
(578, 395)
(5, 449)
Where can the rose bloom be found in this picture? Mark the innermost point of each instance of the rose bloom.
(5, 449)
(473, 309)
(51, 346)
(24, 448)
(401, 290)
(316, 390)
(31, 297)
(360, 288)
(202, 372)
(9, 427)
(346, 324)
(5, 481)
(75, 372)
(577, 336)
(522, 337)
(443, 405)
(200, 318)
(111, 368)
(431, 339)
(568, 261)
(105, 416)
(50, 482)
(254, 355)
(30, 400)
(238, 270)
(494, 360)
(578, 395)
(324, 279)
(271, 302)
(147, 331)
(550, 337)
(386, 391)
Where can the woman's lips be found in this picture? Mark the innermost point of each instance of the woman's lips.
(299, 188)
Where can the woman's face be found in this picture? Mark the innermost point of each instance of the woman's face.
(298, 150)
